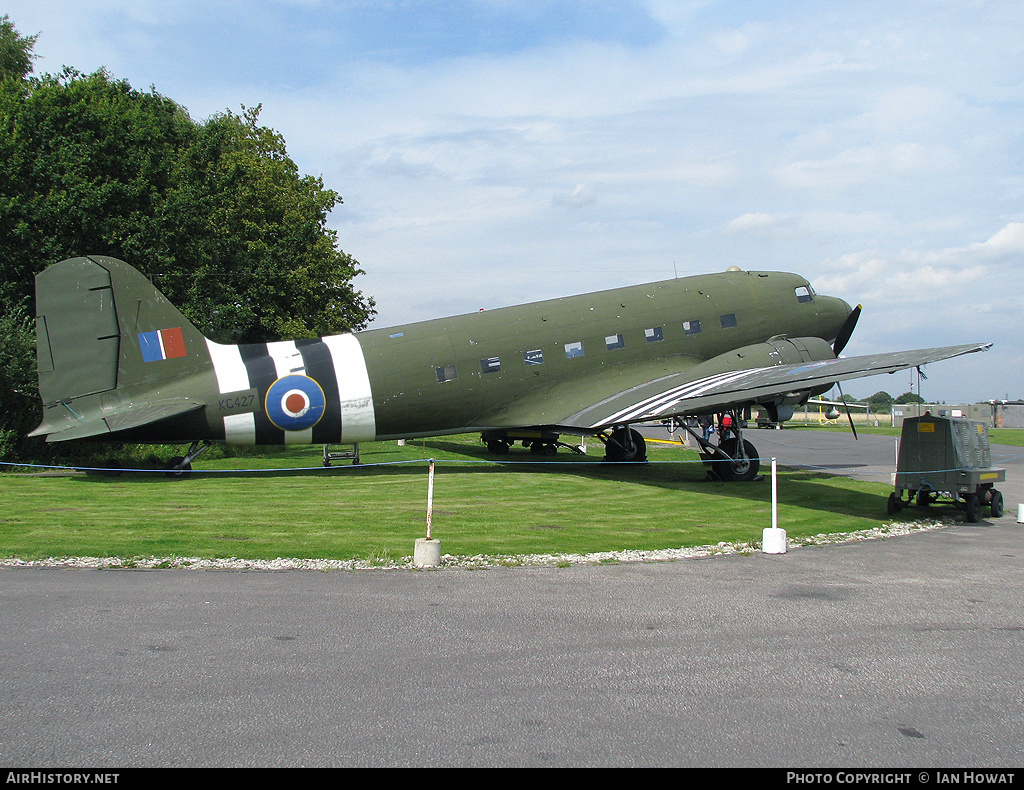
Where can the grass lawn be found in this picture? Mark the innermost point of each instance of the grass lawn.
(284, 504)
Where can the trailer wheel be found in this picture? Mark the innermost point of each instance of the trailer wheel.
(973, 508)
(926, 497)
(997, 503)
(893, 506)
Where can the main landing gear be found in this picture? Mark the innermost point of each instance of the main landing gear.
(733, 458)
(625, 446)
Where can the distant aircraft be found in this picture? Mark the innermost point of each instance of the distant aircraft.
(118, 362)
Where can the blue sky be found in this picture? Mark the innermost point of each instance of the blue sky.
(491, 152)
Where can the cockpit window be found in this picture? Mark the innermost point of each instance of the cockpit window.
(804, 293)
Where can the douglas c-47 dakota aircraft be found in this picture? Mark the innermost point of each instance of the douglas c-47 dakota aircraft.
(118, 362)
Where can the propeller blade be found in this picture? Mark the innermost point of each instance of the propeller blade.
(845, 331)
(845, 406)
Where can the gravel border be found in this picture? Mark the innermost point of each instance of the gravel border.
(477, 561)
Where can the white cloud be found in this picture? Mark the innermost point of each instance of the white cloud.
(756, 221)
(875, 147)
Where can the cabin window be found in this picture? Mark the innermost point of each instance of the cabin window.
(728, 321)
(691, 327)
(490, 365)
(804, 293)
(615, 341)
(447, 373)
(573, 350)
(534, 357)
(654, 334)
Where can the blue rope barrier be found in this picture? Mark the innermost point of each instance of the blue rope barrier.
(452, 461)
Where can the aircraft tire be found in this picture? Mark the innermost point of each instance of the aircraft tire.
(893, 506)
(739, 470)
(616, 450)
(176, 468)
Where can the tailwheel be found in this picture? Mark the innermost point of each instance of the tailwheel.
(742, 466)
(177, 467)
(182, 466)
(625, 445)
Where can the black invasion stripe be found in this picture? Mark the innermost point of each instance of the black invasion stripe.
(316, 357)
(262, 373)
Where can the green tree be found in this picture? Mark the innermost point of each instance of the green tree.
(19, 405)
(880, 401)
(215, 213)
(909, 397)
(255, 230)
(15, 51)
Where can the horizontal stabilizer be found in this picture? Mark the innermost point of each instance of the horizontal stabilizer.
(126, 417)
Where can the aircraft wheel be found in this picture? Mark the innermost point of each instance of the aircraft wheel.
(893, 506)
(973, 508)
(177, 468)
(498, 447)
(549, 449)
(741, 469)
(997, 504)
(618, 450)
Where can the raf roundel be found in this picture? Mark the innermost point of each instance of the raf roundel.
(295, 403)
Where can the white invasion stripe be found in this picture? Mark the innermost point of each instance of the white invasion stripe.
(696, 389)
(229, 367)
(232, 377)
(358, 421)
(664, 398)
(299, 437)
(240, 428)
(658, 403)
(287, 359)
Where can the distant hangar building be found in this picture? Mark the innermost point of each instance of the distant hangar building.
(995, 414)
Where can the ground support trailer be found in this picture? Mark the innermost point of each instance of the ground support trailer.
(946, 457)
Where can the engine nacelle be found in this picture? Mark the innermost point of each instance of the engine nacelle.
(777, 351)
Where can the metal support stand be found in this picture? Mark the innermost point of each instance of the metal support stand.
(341, 456)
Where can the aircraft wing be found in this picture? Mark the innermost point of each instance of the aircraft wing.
(689, 392)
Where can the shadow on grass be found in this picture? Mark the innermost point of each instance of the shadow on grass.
(687, 475)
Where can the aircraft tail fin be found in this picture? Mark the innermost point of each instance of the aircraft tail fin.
(101, 329)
